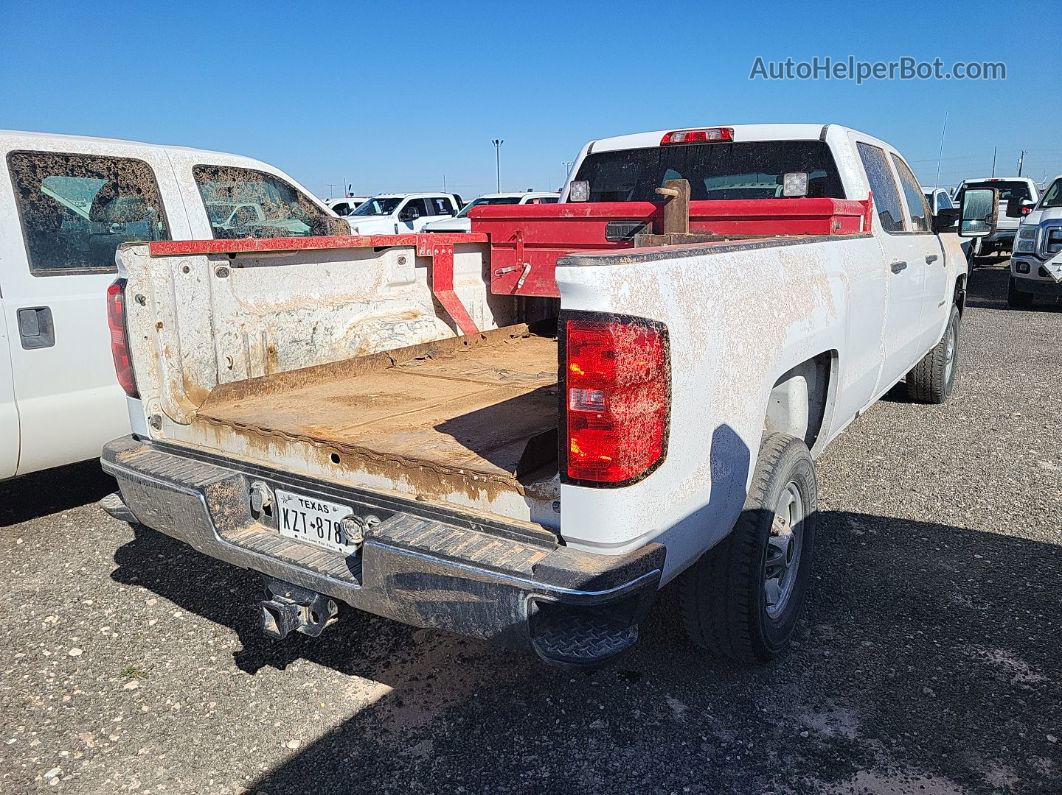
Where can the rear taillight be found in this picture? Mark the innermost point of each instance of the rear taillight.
(617, 391)
(123, 365)
(702, 136)
(1026, 210)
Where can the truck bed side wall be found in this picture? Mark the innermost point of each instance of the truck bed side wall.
(738, 317)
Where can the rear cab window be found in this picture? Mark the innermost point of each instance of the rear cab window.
(742, 170)
(243, 202)
(883, 187)
(76, 209)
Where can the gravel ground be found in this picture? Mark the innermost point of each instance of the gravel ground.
(928, 660)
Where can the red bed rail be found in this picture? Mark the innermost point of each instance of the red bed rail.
(527, 240)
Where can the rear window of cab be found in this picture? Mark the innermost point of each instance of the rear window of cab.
(742, 170)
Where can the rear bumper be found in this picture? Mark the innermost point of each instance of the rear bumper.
(421, 565)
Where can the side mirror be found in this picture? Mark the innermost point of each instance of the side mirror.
(945, 219)
(977, 212)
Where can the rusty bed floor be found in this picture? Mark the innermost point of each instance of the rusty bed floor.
(488, 408)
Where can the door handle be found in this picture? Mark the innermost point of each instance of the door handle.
(931, 258)
(35, 327)
(898, 266)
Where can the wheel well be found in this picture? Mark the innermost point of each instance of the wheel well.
(798, 399)
(960, 292)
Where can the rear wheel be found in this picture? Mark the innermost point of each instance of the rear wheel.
(743, 598)
(933, 379)
(1016, 299)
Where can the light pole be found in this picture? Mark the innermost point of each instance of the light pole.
(567, 168)
(497, 159)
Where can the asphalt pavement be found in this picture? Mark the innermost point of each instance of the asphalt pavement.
(930, 658)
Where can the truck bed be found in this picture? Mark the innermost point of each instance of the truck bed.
(464, 413)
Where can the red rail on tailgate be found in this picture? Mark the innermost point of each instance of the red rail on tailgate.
(527, 240)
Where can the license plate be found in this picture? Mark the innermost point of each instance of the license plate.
(313, 521)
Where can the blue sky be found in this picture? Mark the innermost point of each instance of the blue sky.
(393, 96)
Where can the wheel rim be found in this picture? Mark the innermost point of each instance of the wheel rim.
(783, 550)
(949, 353)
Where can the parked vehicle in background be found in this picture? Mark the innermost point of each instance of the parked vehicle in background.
(399, 213)
(462, 223)
(1017, 195)
(346, 205)
(66, 204)
(490, 435)
(938, 198)
(1036, 264)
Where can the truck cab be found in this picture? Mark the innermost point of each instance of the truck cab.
(401, 213)
(67, 203)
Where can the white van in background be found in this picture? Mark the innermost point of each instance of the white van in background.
(66, 204)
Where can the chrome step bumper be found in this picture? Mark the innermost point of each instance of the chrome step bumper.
(421, 564)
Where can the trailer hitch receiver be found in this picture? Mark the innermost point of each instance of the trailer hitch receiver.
(289, 608)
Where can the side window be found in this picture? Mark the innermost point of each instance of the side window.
(341, 209)
(242, 202)
(549, 200)
(916, 200)
(439, 205)
(77, 209)
(882, 183)
(412, 210)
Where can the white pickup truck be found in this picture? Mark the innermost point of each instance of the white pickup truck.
(397, 213)
(486, 434)
(66, 204)
(1036, 265)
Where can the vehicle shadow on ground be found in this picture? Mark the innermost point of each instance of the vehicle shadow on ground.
(53, 490)
(928, 656)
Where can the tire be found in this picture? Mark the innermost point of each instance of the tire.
(723, 597)
(933, 379)
(1016, 299)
